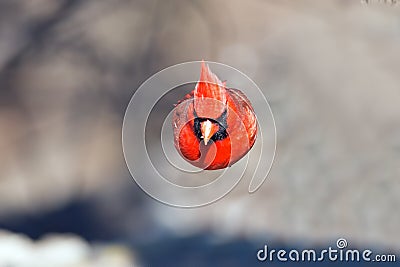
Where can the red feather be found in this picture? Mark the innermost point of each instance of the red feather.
(214, 126)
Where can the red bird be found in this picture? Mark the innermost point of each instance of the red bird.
(214, 126)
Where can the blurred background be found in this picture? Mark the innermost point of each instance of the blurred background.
(330, 70)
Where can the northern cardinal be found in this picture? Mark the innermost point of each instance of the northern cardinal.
(214, 126)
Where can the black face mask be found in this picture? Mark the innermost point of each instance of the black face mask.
(220, 121)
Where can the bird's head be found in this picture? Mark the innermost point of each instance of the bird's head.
(210, 108)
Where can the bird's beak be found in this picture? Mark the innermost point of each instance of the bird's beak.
(208, 129)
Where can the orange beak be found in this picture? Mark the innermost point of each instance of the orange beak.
(208, 129)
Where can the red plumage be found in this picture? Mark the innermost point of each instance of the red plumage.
(214, 126)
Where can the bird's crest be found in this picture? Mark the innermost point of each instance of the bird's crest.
(209, 94)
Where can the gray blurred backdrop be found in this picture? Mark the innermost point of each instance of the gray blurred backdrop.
(329, 69)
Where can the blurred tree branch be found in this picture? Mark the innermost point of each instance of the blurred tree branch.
(37, 36)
